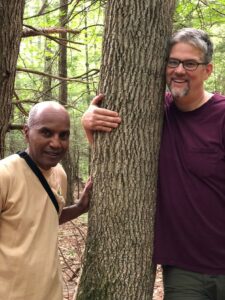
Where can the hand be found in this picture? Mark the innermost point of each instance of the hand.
(73, 211)
(96, 118)
(83, 203)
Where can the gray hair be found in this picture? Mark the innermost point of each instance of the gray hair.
(197, 38)
(39, 106)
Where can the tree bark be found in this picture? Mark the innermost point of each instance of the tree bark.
(63, 98)
(11, 14)
(118, 255)
(47, 81)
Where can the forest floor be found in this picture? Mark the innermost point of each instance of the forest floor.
(71, 246)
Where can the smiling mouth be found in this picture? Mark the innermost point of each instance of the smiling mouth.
(53, 154)
(179, 80)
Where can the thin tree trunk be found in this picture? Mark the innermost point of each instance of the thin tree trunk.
(47, 81)
(11, 14)
(63, 93)
(118, 256)
(63, 97)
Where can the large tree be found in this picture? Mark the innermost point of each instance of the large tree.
(118, 256)
(11, 14)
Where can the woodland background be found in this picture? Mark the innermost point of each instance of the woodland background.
(63, 39)
(59, 59)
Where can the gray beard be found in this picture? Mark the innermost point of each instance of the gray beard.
(178, 93)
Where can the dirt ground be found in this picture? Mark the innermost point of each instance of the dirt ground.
(71, 245)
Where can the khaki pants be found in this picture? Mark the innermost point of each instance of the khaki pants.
(184, 285)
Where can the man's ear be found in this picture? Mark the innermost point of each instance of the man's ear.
(26, 132)
(209, 69)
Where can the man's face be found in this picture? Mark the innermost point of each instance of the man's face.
(182, 82)
(48, 137)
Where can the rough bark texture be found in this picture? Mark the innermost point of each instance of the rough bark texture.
(118, 258)
(11, 13)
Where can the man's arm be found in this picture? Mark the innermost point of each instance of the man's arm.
(96, 118)
(71, 212)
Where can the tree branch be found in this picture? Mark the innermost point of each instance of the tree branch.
(56, 77)
(15, 127)
(31, 31)
(47, 12)
(212, 8)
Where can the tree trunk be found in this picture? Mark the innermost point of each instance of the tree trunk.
(11, 14)
(63, 97)
(47, 81)
(118, 256)
(63, 91)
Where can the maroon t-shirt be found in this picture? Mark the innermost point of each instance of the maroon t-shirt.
(190, 217)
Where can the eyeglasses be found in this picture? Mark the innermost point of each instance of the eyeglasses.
(189, 65)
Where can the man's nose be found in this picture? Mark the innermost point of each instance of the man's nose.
(55, 142)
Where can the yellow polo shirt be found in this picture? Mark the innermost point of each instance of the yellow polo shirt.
(29, 264)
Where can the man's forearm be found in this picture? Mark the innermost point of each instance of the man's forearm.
(69, 213)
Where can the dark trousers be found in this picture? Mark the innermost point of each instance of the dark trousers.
(184, 285)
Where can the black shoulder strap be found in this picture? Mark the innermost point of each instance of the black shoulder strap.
(40, 176)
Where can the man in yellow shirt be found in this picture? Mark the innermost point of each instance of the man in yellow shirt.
(29, 265)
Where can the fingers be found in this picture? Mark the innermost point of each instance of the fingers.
(105, 127)
(102, 111)
(97, 99)
(90, 179)
(95, 110)
(96, 118)
(102, 120)
(88, 185)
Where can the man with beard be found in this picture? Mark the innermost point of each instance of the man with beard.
(29, 264)
(190, 216)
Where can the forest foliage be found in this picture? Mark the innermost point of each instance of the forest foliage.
(38, 76)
